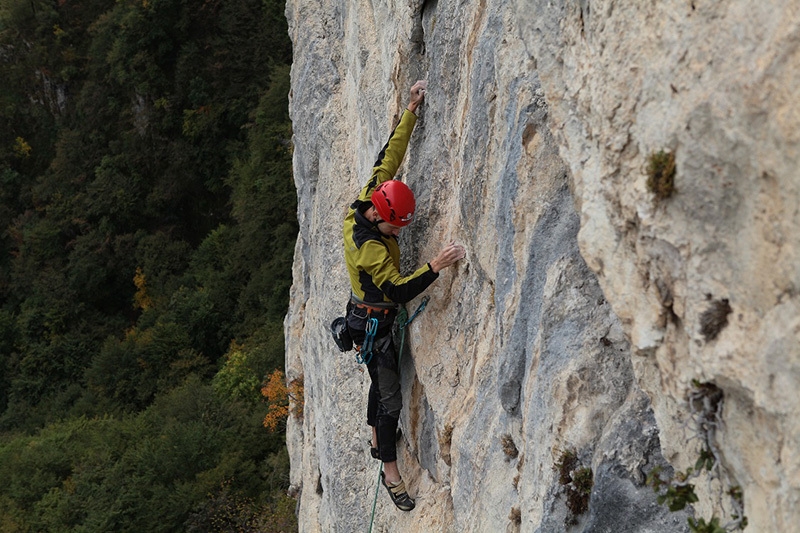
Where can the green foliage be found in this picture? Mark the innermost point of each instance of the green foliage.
(8, 339)
(737, 497)
(236, 379)
(566, 463)
(147, 221)
(705, 402)
(661, 175)
(147, 361)
(228, 513)
(577, 480)
(678, 492)
(144, 472)
(678, 497)
(705, 460)
(583, 480)
(125, 192)
(701, 526)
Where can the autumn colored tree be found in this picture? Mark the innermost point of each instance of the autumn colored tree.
(282, 399)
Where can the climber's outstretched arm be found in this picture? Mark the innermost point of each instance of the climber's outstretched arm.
(392, 154)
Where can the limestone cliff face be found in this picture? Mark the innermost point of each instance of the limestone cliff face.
(585, 310)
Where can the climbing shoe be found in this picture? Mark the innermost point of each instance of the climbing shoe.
(397, 491)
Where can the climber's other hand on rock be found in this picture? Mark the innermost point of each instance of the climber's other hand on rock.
(449, 255)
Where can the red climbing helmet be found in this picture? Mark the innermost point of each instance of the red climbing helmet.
(394, 202)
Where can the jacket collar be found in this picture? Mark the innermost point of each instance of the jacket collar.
(361, 220)
(367, 224)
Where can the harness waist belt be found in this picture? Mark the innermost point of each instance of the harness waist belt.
(374, 310)
(377, 307)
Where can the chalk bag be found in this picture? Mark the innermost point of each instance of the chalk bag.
(340, 335)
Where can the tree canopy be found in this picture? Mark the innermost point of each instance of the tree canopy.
(147, 226)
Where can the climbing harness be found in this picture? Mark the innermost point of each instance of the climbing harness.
(403, 320)
(364, 355)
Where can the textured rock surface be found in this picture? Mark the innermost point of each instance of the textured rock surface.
(713, 83)
(531, 150)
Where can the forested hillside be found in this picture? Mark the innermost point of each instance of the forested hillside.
(147, 225)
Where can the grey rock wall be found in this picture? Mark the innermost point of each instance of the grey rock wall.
(573, 323)
(710, 82)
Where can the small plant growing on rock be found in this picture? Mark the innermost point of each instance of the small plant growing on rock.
(578, 481)
(661, 175)
(679, 492)
(447, 434)
(583, 480)
(705, 402)
(567, 462)
(701, 526)
(714, 319)
(578, 494)
(445, 442)
(509, 448)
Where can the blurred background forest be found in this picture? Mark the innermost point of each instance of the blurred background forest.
(147, 227)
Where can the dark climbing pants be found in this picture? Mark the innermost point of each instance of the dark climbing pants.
(385, 400)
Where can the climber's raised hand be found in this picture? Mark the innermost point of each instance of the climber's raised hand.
(449, 255)
(417, 95)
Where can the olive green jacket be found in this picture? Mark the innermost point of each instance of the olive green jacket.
(373, 259)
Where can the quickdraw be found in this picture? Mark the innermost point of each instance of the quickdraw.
(421, 308)
(364, 355)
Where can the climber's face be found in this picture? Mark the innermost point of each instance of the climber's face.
(384, 227)
(389, 229)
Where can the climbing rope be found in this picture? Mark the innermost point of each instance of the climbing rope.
(403, 320)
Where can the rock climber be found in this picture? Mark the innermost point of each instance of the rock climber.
(371, 228)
